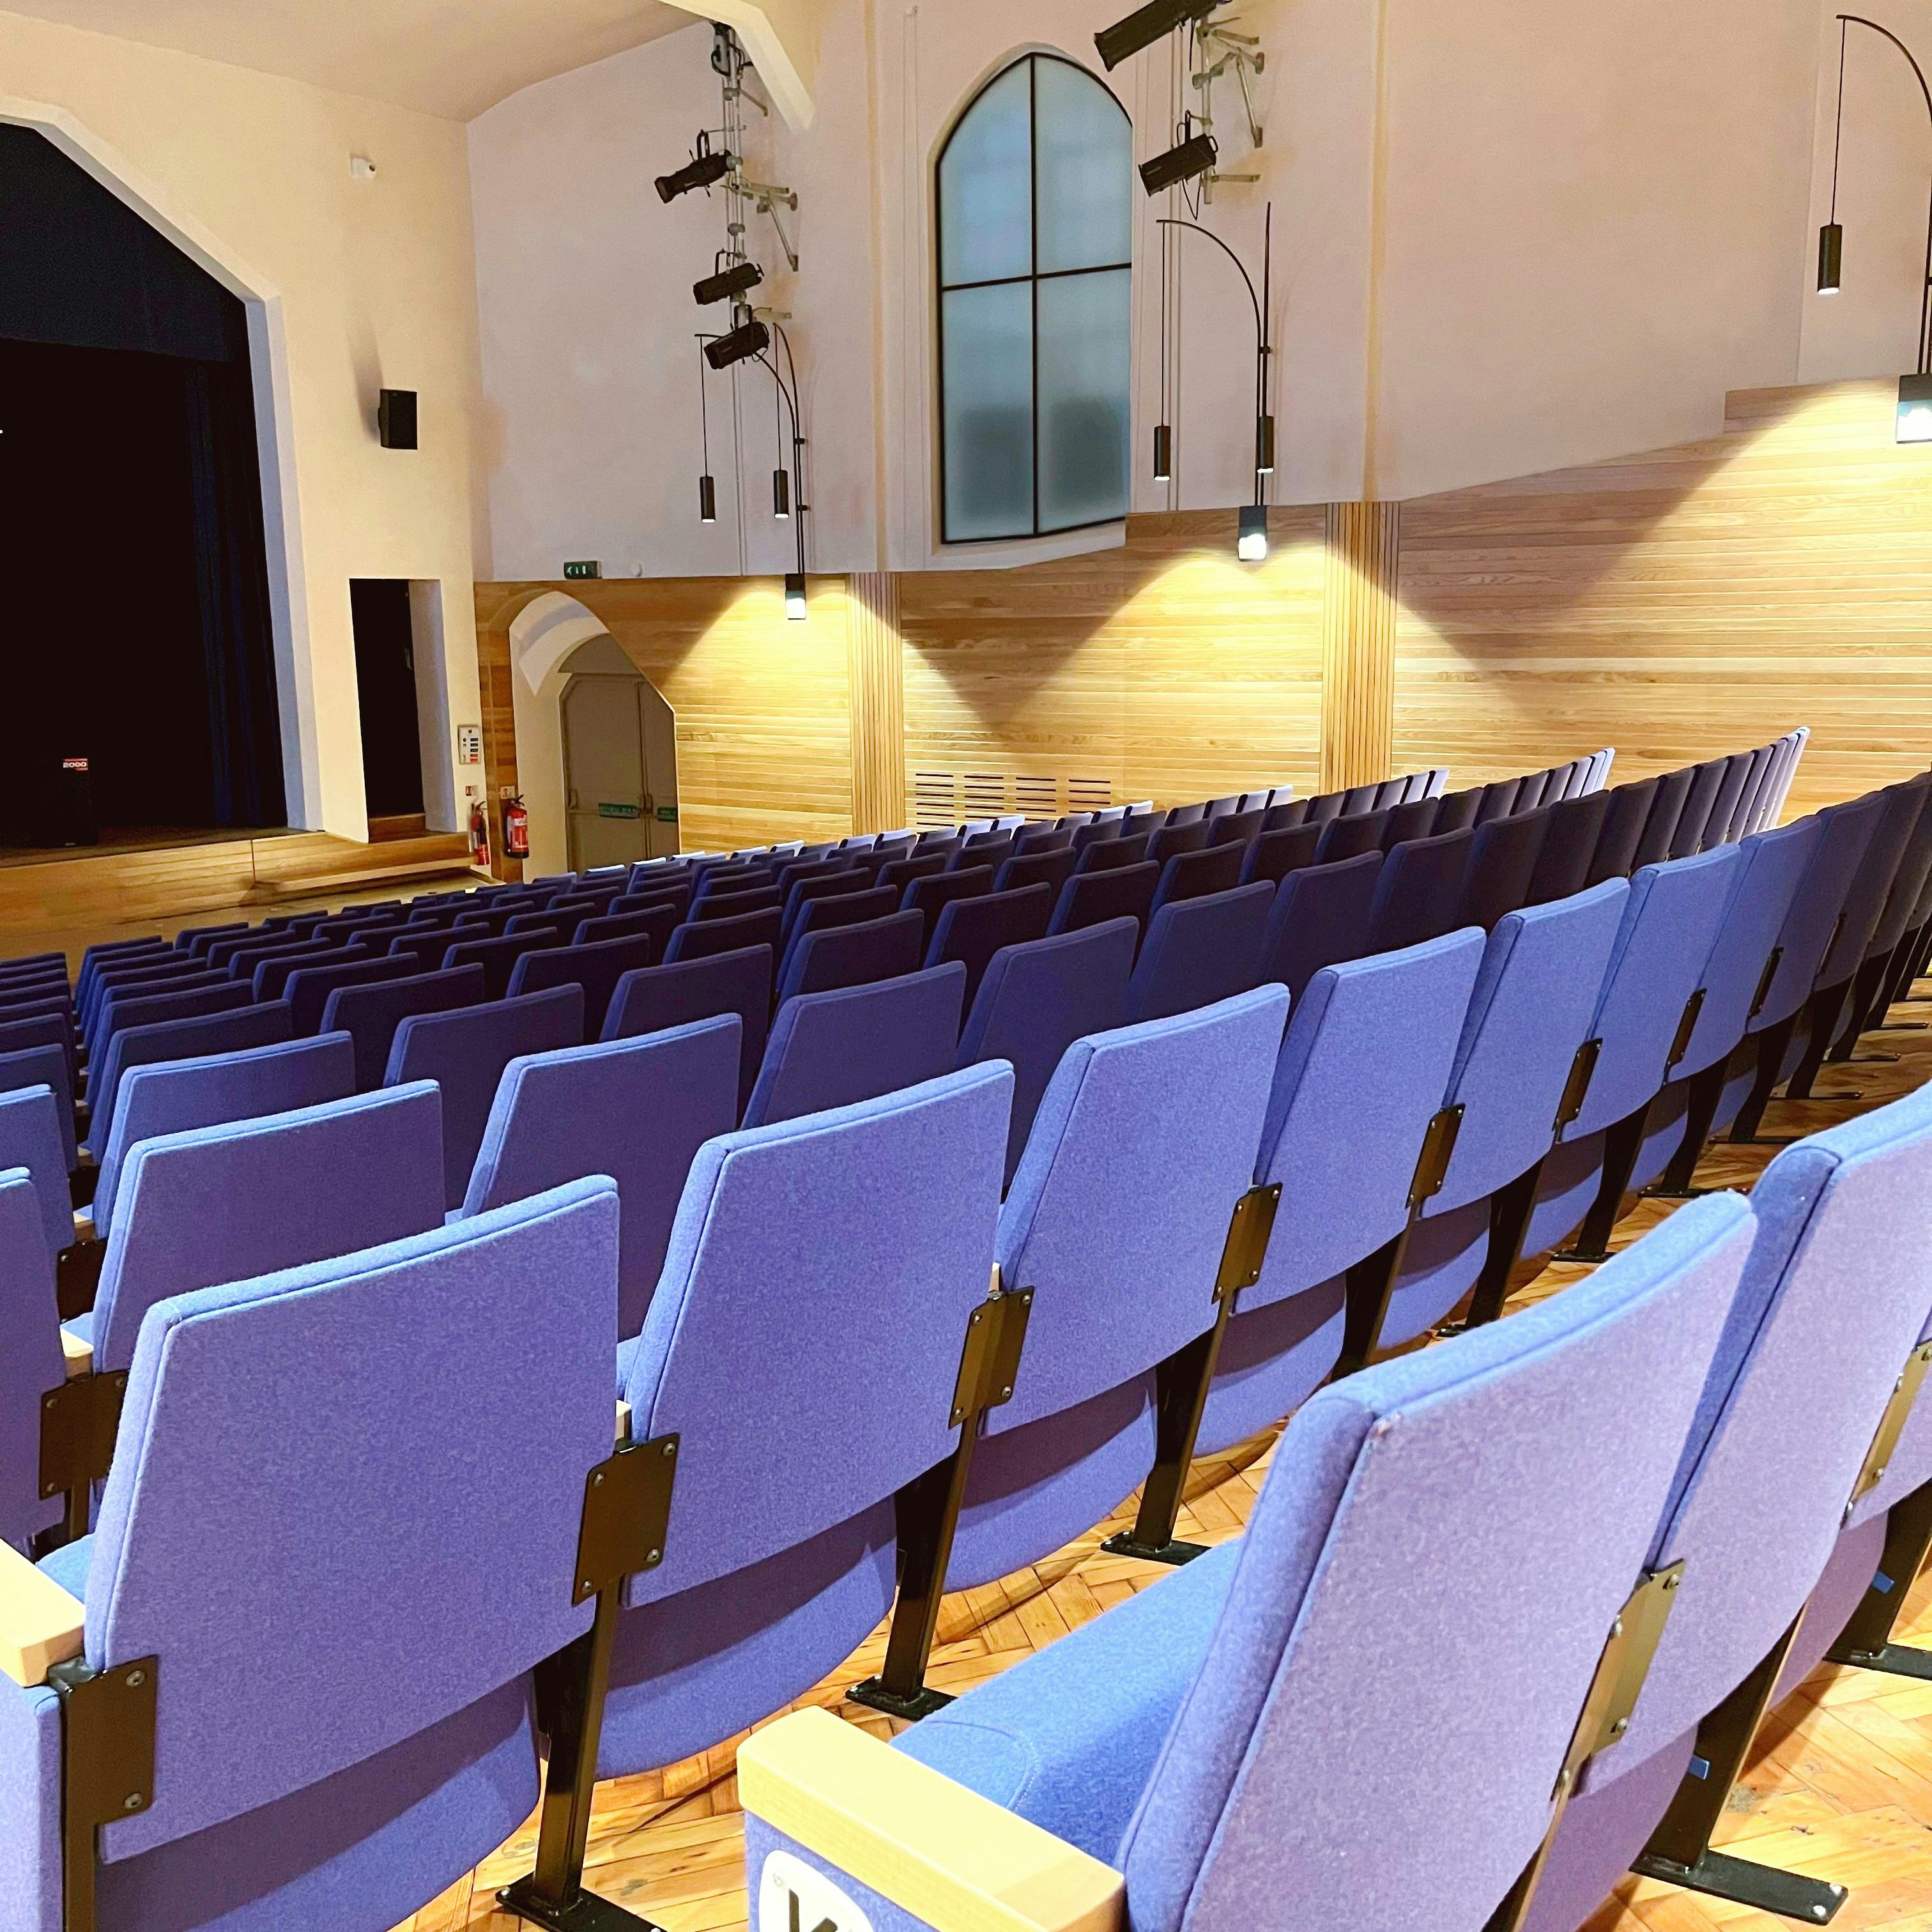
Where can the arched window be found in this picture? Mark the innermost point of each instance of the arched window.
(1035, 219)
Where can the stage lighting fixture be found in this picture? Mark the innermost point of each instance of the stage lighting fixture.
(1163, 453)
(747, 340)
(795, 597)
(780, 496)
(1146, 25)
(702, 170)
(707, 500)
(738, 281)
(1251, 546)
(1179, 164)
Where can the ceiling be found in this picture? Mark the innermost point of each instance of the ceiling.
(454, 58)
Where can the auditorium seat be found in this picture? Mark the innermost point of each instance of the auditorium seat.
(34, 1367)
(33, 1137)
(34, 1051)
(1419, 892)
(261, 1025)
(708, 939)
(1195, 814)
(1624, 820)
(657, 998)
(1350, 835)
(842, 955)
(464, 1053)
(930, 896)
(1198, 952)
(1534, 997)
(1274, 855)
(972, 931)
(1093, 898)
(1455, 812)
(856, 908)
(1502, 863)
(1321, 915)
(1667, 809)
(1360, 1078)
(656, 926)
(1414, 819)
(1115, 854)
(1193, 875)
(1759, 1504)
(1051, 869)
(424, 946)
(802, 891)
(1879, 979)
(1230, 1738)
(370, 1015)
(198, 938)
(1497, 799)
(1234, 827)
(525, 924)
(734, 904)
(1570, 839)
(834, 1049)
(1532, 792)
(1142, 824)
(307, 991)
(1172, 840)
(142, 1005)
(1693, 825)
(270, 979)
(1036, 839)
(1744, 818)
(637, 1110)
(1036, 999)
(899, 873)
(595, 969)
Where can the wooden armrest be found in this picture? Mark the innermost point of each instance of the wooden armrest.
(956, 1860)
(80, 1355)
(623, 1424)
(40, 1624)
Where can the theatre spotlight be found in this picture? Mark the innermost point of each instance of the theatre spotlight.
(1252, 545)
(1146, 25)
(1179, 164)
(736, 281)
(747, 340)
(795, 597)
(704, 170)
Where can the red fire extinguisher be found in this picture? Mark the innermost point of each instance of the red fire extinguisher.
(479, 836)
(516, 829)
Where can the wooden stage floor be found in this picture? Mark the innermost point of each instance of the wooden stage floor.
(1842, 1787)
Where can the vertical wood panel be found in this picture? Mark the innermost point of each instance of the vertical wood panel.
(1363, 548)
(1683, 602)
(877, 672)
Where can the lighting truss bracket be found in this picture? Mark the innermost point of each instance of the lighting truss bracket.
(768, 199)
(1243, 54)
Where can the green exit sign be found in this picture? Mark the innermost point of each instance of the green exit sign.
(576, 571)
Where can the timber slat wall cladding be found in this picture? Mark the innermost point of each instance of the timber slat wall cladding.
(764, 708)
(1358, 643)
(1682, 602)
(1165, 668)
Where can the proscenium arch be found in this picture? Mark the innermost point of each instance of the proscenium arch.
(269, 371)
(1032, 58)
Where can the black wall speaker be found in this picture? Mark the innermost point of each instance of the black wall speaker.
(396, 418)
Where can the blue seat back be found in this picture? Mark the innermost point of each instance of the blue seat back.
(258, 1025)
(818, 962)
(1693, 823)
(1667, 809)
(657, 925)
(659, 998)
(1051, 868)
(308, 989)
(33, 1366)
(30, 1141)
(1350, 835)
(370, 1015)
(637, 1110)
(1320, 915)
(1419, 892)
(220, 1203)
(1901, 807)
(1274, 855)
(834, 1049)
(1199, 952)
(708, 939)
(1624, 819)
(26, 1061)
(1812, 922)
(1569, 846)
(270, 979)
(212, 1089)
(973, 930)
(595, 969)
(1193, 875)
(1502, 863)
(1093, 898)
(464, 1053)
(498, 957)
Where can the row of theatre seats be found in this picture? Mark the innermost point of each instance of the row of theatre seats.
(347, 1510)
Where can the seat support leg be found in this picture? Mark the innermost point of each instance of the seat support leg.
(1773, 1043)
(1622, 1143)
(1827, 1007)
(1509, 1210)
(1866, 1640)
(1701, 1103)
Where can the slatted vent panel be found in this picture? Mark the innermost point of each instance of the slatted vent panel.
(951, 798)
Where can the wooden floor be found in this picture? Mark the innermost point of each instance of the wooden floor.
(1842, 1788)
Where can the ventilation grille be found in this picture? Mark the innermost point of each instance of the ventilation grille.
(951, 798)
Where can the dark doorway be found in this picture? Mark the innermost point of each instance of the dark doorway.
(138, 636)
(385, 698)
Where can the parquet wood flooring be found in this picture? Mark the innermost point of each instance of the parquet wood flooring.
(1842, 1785)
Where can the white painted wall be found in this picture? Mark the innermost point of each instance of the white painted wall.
(357, 286)
(1870, 328)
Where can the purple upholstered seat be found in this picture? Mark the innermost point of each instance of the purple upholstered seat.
(146, 1006)
(1361, 1075)
(842, 954)
(1320, 916)
(1287, 813)
(1744, 819)
(464, 1053)
(1093, 898)
(595, 969)
(1143, 1145)
(1274, 855)
(370, 1015)
(1666, 810)
(222, 1203)
(657, 926)
(1193, 875)
(498, 957)
(1198, 952)
(260, 1025)
(1115, 854)
(899, 873)
(270, 977)
(1420, 891)
(930, 896)
(835, 1049)
(659, 998)
(637, 1110)
(1455, 812)
(1833, 1298)
(1349, 836)
(1036, 999)
(728, 904)
(1236, 827)
(1194, 814)
(45, 1065)
(971, 931)
(1173, 840)
(1533, 1000)
(1502, 863)
(31, 1142)
(1414, 819)
(854, 879)
(826, 915)
(766, 1586)
(1325, 807)
(32, 1367)
(308, 990)
(1624, 820)
(213, 1089)
(1218, 1737)
(1720, 827)
(1051, 868)
(286, 1463)
(1531, 792)
(707, 939)
(1498, 800)
(1569, 847)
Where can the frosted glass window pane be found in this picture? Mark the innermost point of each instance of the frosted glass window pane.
(988, 392)
(1086, 170)
(986, 186)
(1085, 367)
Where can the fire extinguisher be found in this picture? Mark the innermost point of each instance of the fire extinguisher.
(479, 836)
(516, 829)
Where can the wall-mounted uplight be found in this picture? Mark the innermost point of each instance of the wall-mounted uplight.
(1252, 545)
(794, 596)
